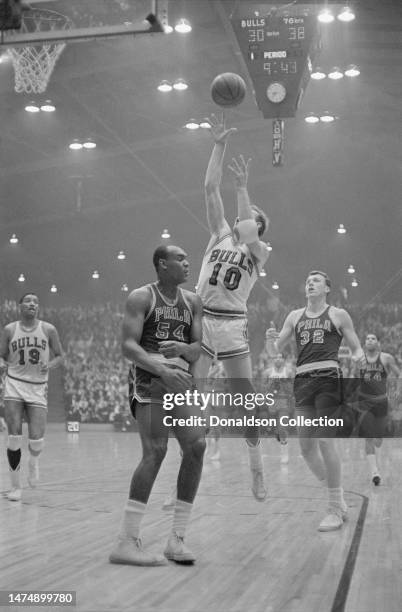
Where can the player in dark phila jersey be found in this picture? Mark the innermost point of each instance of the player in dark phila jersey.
(229, 270)
(161, 336)
(318, 329)
(373, 400)
(25, 355)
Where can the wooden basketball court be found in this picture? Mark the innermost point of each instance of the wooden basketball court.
(254, 557)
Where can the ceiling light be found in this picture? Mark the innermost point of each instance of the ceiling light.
(352, 71)
(89, 144)
(269, 247)
(164, 86)
(14, 239)
(346, 14)
(165, 234)
(95, 274)
(318, 74)
(262, 272)
(168, 29)
(325, 16)
(327, 117)
(192, 124)
(21, 278)
(351, 269)
(275, 285)
(48, 107)
(335, 74)
(341, 229)
(124, 288)
(121, 255)
(53, 289)
(311, 118)
(180, 85)
(354, 283)
(183, 26)
(205, 124)
(75, 145)
(32, 107)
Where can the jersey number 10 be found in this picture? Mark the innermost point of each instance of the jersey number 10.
(231, 280)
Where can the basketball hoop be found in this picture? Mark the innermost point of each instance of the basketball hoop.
(34, 64)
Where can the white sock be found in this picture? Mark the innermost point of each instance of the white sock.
(372, 461)
(255, 457)
(132, 517)
(335, 498)
(182, 512)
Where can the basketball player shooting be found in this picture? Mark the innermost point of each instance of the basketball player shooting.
(228, 273)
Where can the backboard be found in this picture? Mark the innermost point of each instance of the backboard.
(75, 20)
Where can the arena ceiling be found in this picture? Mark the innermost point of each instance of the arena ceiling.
(74, 210)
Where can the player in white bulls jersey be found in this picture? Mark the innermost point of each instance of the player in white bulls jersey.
(24, 354)
(229, 270)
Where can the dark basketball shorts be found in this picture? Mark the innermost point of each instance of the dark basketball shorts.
(318, 394)
(145, 388)
(373, 417)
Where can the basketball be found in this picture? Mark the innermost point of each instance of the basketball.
(228, 89)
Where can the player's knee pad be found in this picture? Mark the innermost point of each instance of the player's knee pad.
(36, 446)
(14, 442)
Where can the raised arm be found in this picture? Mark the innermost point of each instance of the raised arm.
(240, 169)
(276, 341)
(213, 199)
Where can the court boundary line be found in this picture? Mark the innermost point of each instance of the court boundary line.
(342, 591)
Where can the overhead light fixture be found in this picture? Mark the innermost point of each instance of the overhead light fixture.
(75, 145)
(318, 74)
(95, 274)
(48, 107)
(327, 117)
(335, 74)
(262, 272)
(346, 14)
(164, 86)
(275, 286)
(121, 255)
(352, 71)
(269, 246)
(124, 288)
(311, 118)
(183, 26)
(204, 124)
(21, 278)
(354, 283)
(168, 29)
(351, 269)
(14, 239)
(32, 107)
(89, 144)
(192, 124)
(326, 16)
(180, 85)
(53, 289)
(165, 234)
(341, 229)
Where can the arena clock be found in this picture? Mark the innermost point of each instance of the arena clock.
(278, 45)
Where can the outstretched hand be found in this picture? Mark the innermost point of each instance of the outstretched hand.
(240, 169)
(218, 128)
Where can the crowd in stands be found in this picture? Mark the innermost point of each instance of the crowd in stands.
(95, 373)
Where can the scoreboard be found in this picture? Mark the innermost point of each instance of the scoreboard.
(278, 47)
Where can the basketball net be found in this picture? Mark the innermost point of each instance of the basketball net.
(34, 64)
